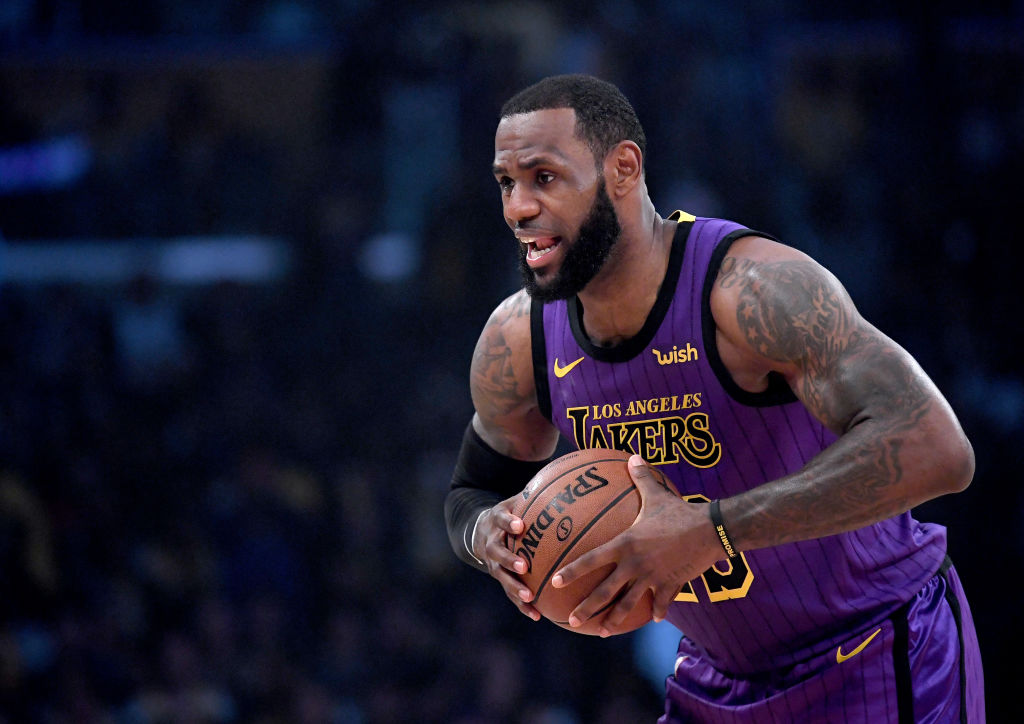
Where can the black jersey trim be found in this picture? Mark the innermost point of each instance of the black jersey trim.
(540, 358)
(778, 392)
(901, 665)
(954, 605)
(635, 345)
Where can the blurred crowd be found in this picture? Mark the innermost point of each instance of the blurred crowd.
(221, 531)
(222, 502)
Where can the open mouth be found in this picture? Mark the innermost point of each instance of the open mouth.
(537, 249)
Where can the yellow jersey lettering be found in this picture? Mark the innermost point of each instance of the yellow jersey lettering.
(660, 440)
(597, 438)
(676, 356)
(579, 416)
(699, 446)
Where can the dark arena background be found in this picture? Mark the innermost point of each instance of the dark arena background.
(246, 249)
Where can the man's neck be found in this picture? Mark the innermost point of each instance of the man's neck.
(617, 302)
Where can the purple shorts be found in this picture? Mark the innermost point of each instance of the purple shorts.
(922, 664)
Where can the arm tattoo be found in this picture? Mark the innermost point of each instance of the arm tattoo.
(493, 375)
(787, 312)
(849, 374)
(518, 305)
(732, 270)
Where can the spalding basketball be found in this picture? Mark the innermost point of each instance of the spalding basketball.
(574, 504)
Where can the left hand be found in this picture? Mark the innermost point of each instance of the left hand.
(670, 543)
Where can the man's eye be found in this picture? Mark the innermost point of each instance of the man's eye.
(545, 177)
(505, 183)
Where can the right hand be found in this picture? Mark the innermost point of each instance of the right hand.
(489, 546)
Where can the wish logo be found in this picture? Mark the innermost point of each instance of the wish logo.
(676, 355)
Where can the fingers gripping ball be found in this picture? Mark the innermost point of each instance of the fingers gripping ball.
(573, 505)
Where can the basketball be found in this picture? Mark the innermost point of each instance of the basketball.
(574, 504)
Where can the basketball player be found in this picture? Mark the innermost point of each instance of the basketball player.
(797, 435)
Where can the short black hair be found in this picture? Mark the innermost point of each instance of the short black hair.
(603, 115)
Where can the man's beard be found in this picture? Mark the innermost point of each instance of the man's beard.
(583, 258)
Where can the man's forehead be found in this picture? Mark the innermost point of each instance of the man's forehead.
(550, 131)
(553, 119)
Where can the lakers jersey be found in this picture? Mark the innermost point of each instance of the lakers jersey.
(666, 395)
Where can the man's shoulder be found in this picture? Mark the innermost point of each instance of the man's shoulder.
(508, 326)
(501, 375)
(762, 248)
(513, 311)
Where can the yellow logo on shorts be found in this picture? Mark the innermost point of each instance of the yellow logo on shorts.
(841, 657)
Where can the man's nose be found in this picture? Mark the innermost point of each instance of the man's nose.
(521, 205)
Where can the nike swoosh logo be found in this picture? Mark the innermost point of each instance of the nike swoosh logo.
(841, 657)
(561, 372)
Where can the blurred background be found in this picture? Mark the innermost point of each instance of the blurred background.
(245, 252)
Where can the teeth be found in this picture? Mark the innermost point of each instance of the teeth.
(535, 253)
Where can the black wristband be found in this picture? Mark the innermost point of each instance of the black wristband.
(723, 537)
(462, 509)
(482, 478)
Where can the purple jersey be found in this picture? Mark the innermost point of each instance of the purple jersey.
(666, 395)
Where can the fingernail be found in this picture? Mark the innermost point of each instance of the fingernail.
(636, 461)
(556, 581)
(604, 633)
(535, 616)
(573, 621)
(524, 594)
(519, 566)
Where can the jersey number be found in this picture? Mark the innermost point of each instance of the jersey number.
(732, 581)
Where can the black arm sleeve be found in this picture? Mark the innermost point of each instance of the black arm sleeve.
(482, 478)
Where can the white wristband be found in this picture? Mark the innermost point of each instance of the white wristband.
(472, 534)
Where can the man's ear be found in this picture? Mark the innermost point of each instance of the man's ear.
(623, 168)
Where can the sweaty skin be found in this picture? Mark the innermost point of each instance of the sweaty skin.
(776, 310)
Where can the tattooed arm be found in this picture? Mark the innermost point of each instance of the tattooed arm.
(505, 447)
(501, 381)
(900, 443)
